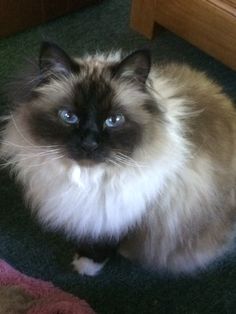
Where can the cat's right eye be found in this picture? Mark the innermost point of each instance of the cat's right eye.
(114, 121)
(68, 117)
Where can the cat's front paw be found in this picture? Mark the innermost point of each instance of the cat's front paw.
(86, 266)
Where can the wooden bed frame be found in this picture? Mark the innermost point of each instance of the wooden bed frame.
(208, 24)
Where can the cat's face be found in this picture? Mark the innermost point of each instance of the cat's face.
(91, 108)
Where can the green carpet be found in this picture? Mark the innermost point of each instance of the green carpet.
(122, 287)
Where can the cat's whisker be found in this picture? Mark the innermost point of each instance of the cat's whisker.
(113, 162)
(124, 157)
(19, 132)
(33, 80)
(43, 154)
(119, 152)
(34, 147)
(28, 157)
(46, 162)
(27, 140)
(144, 164)
(127, 157)
(36, 153)
(129, 161)
(32, 61)
(123, 162)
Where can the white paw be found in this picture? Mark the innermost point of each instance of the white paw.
(86, 266)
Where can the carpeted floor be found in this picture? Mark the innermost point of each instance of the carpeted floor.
(122, 287)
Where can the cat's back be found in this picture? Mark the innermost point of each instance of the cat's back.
(176, 79)
(199, 107)
(196, 90)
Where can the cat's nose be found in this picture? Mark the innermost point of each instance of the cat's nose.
(89, 144)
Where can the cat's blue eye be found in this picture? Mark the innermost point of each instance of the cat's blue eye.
(114, 121)
(68, 116)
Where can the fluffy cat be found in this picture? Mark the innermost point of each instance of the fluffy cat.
(121, 154)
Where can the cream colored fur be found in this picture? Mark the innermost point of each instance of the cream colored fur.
(174, 199)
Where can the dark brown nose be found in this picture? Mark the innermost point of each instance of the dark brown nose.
(89, 143)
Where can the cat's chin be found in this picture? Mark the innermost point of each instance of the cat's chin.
(90, 162)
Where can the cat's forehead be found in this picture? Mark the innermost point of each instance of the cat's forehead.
(89, 84)
(96, 67)
(95, 93)
(99, 60)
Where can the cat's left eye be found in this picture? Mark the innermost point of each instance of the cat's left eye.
(68, 116)
(114, 121)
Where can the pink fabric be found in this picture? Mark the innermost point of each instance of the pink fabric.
(51, 300)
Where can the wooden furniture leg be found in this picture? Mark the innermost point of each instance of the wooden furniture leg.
(208, 24)
(142, 17)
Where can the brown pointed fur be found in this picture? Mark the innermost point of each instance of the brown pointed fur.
(177, 204)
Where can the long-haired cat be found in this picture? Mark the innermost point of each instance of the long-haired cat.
(120, 154)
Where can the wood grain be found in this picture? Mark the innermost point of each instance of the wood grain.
(203, 24)
(228, 5)
(142, 17)
(208, 24)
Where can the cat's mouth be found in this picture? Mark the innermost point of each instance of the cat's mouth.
(88, 158)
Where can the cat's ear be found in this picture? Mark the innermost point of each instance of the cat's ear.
(135, 66)
(55, 60)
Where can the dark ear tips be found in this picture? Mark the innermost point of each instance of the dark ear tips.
(45, 45)
(54, 59)
(45, 52)
(135, 66)
(144, 54)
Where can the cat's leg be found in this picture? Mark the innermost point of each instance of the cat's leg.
(132, 247)
(92, 257)
(189, 256)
